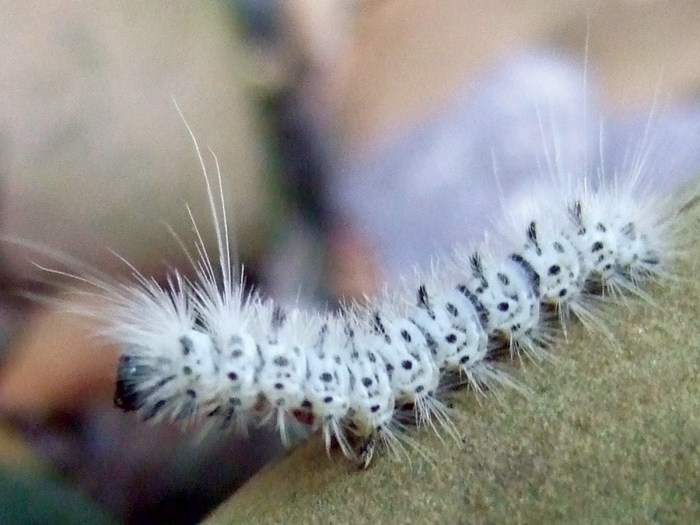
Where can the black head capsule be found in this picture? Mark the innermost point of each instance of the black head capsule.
(126, 395)
(131, 374)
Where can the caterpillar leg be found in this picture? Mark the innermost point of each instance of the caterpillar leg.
(366, 451)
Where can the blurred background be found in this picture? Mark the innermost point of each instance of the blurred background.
(357, 140)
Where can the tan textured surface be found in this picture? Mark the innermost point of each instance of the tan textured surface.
(607, 437)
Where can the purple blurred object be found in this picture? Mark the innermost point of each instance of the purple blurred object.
(442, 182)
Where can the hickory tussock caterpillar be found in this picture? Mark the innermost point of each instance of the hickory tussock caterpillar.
(205, 350)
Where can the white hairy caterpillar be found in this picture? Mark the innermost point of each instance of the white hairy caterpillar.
(204, 350)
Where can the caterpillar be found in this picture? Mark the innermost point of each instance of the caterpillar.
(206, 351)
